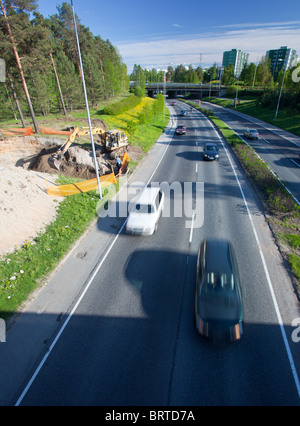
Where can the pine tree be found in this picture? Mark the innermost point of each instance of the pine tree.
(13, 14)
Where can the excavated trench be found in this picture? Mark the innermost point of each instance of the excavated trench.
(80, 164)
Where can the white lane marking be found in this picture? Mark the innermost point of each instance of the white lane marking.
(192, 227)
(269, 168)
(258, 122)
(276, 307)
(27, 387)
(295, 162)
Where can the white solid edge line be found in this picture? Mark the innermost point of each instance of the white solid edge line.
(27, 387)
(279, 318)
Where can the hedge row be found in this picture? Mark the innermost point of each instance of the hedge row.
(124, 105)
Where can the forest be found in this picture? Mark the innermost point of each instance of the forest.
(252, 75)
(43, 73)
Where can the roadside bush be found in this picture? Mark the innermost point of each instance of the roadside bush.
(122, 106)
(289, 98)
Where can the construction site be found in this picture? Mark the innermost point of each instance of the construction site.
(30, 165)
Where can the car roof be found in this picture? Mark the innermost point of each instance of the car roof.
(211, 144)
(218, 254)
(147, 195)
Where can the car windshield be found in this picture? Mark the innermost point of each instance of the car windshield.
(253, 131)
(211, 148)
(143, 208)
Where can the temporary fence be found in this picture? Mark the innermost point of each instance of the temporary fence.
(88, 185)
(28, 131)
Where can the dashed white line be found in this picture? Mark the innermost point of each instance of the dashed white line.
(295, 162)
(276, 307)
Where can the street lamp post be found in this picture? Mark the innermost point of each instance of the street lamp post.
(87, 105)
(280, 94)
(237, 89)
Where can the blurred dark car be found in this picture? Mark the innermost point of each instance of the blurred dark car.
(251, 134)
(181, 130)
(218, 299)
(211, 152)
(173, 103)
(182, 112)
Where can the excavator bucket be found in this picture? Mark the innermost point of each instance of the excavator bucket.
(54, 162)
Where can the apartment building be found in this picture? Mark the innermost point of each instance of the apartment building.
(237, 58)
(282, 58)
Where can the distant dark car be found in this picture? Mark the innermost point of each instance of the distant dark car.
(182, 112)
(218, 300)
(173, 103)
(251, 134)
(181, 130)
(211, 152)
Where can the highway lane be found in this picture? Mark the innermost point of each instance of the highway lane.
(131, 340)
(279, 149)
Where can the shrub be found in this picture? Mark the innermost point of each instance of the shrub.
(122, 106)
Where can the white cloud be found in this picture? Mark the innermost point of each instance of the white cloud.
(187, 49)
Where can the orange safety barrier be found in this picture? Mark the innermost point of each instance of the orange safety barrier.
(86, 186)
(125, 162)
(28, 131)
(22, 131)
(48, 131)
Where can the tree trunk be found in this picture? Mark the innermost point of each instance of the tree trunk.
(102, 74)
(58, 85)
(20, 67)
(16, 98)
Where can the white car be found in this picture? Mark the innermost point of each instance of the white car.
(145, 212)
(251, 134)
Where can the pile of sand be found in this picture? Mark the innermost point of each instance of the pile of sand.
(25, 206)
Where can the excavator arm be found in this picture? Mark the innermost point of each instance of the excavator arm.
(55, 160)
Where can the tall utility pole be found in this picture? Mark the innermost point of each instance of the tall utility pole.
(19, 66)
(87, 104)
(254, 74)
(280, 95)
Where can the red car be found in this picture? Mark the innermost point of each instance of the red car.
(181, 130)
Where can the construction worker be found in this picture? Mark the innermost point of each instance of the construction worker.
(118, 163)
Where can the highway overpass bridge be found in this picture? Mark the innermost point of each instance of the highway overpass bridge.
(173, 90)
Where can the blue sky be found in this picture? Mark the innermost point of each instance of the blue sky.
(156, 34)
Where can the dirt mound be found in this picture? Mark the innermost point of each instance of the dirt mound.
(25, 206)
(70, 164)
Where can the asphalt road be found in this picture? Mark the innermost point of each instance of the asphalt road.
(130, 338)
(279, 149)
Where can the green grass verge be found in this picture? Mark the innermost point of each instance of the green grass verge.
(287, 118)
(22, 271)
(292, 239)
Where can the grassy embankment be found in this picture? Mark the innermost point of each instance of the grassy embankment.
(281, 211)
(287, 119)
(22, 271)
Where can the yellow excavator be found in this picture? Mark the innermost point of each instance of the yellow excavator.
(111, 140)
